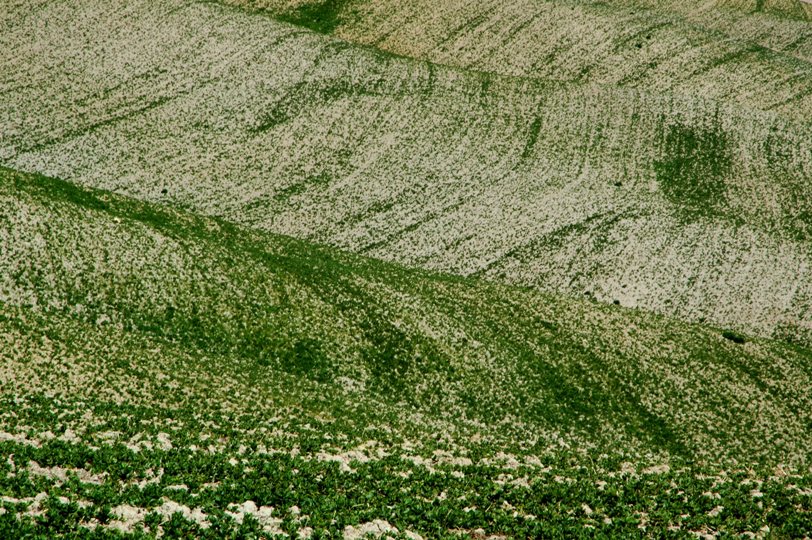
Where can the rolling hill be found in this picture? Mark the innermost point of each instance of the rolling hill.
(669, 201)
(755, 54)
(167, 372)
(405, 269)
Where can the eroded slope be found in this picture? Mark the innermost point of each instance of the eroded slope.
(676, 204)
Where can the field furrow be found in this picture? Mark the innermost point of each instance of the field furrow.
(706, 207)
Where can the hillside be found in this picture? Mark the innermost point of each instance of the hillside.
(670, 202)
(158, 363)
(752, 53)
(405, 269)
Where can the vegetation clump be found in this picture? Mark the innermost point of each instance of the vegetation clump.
(735, 337)
(694, 169)
(321, 16)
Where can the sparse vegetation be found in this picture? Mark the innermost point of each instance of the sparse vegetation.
(303, 134)
(406, 269)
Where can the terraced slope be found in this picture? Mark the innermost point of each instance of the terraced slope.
(162, 370)
(755, 54)
(675, 204)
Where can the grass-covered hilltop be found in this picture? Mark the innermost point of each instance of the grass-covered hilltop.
(412, 270)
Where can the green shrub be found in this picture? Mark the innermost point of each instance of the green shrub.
(733, 336)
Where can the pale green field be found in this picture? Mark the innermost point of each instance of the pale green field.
(751, 53)
(415, 269)
(152, 359)
(669, 202)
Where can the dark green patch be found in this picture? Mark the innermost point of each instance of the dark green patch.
(695, 162)
(276, 117)
(735, 337)
(323, 17)
(304, 357)
(321, 179)
(57, 189)
(532, 137)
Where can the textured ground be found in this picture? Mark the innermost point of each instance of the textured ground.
(346, 269)
(133, 336)
(755, 54)
(666, 201)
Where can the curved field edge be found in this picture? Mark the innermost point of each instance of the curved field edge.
(443, 346)
(168, 374)
(756, 59)
(683, 206)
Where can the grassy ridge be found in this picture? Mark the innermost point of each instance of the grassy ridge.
(133, 335)
(681, 205)
(452, 347)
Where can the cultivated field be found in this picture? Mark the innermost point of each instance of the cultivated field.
(165, 371)
(751, 53)
(669, 202)
(405, 269)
